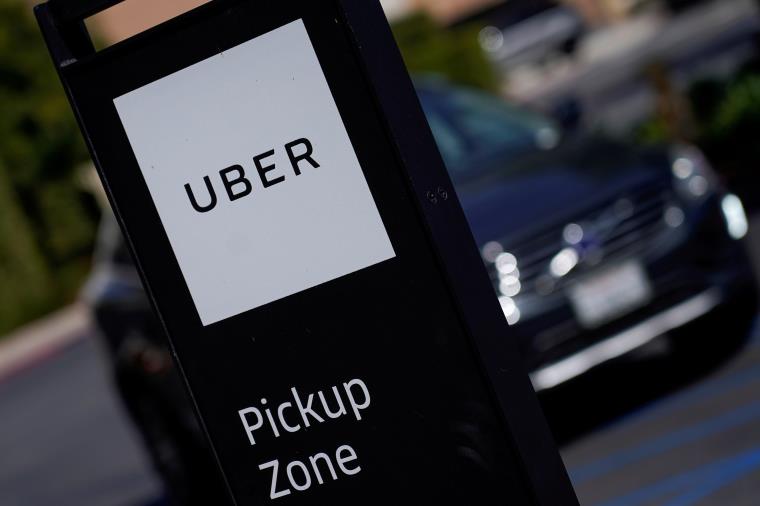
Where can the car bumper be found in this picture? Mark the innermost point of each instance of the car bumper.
(735, 307)
(626, 341)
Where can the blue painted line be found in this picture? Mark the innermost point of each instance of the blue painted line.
(663, 444)
(731, 472)
(698, 483)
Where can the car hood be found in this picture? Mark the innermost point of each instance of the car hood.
(526, 194)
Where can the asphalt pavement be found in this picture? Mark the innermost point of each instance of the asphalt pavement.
(65, 440)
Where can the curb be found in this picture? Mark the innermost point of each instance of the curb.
(42, 340)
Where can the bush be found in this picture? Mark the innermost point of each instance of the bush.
(24, 292)
(47, 224)
(454, 53)
(728, 132)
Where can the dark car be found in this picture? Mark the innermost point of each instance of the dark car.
(152, 390)
(594, 248)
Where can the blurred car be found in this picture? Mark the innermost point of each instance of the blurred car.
(527, 31)
(152, 390)
(595, 248)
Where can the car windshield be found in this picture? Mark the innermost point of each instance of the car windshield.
(472, 129)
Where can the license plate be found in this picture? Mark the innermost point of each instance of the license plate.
(610, 294)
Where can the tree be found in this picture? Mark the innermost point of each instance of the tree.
(53, 220)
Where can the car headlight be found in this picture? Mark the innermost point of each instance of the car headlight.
(692, 173)
(736, 217)
(509, 285)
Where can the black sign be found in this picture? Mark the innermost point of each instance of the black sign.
(302, 244)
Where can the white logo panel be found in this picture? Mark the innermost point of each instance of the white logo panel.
(253, 174)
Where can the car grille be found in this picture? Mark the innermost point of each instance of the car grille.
(623, 226)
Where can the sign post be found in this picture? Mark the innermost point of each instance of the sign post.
(295, 227)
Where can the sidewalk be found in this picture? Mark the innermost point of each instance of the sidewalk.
(42, 339)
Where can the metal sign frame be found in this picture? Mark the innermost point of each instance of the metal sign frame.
(430, 338)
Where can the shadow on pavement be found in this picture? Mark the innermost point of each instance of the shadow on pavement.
(159, 501)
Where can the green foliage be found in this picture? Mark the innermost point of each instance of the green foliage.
(740, 110)
(729, 122)
(454, 53)
(653, 131)
(38, 136)
(24, 292)
(47, 222)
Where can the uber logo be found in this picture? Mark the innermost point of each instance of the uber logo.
(253, 174)
(238, 185)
